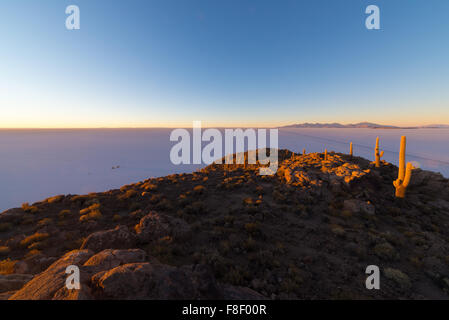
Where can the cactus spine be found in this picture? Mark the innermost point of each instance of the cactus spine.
(378, 154)
(350, 149)
(404, 174)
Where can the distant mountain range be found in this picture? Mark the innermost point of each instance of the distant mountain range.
(368, 125)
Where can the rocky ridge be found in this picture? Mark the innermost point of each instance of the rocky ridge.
(225, 232)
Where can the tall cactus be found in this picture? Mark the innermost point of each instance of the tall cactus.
(350, 149)
(325, 154)
(303, 152)
(378, 154)
(404, 174)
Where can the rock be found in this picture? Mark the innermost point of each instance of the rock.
(440, 204)
(153, 280)
(357, 206)
(37, 263)
(11, 282)
(118, 238)
(21, 267)
(155, 226)
(145, 281)
(241, 293)
(45, 285)
(6, 295)
(84, 293)
(109, 259)
(257, 284)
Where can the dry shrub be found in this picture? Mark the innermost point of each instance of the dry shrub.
(34, 238)
(93, 207)
(199, 189)
(55, 199)
(93, 215)
(29, 209)
(32, 253)
(128, 194)
(45, 222)
(7, 266)
(4, 250)
(63, 213)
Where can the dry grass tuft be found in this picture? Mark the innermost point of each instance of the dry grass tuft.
(7, 266)
(4, 250)
(34, 238)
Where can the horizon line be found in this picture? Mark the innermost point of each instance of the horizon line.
(218, 127)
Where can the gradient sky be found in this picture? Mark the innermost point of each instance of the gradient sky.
(143, 63)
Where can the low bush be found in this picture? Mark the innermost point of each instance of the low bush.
(4, 250)
(93, 215)
(7, 266)
(5, 226)
(29, 209)
(34, 238)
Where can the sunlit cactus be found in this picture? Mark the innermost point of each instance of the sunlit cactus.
(325, 154)
(378, 154)
(303, 152)
(404, 174)
(350, 149)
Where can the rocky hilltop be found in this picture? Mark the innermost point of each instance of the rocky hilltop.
(225, 232)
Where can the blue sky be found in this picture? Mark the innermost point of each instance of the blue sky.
(143, 63)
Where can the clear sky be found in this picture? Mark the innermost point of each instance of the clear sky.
(146, 63)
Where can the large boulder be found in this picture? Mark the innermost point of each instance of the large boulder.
(118, 238)
(50, 284)
(155, 226)
(154, 281)
(108, 259)
(123, 274)
(45, 285)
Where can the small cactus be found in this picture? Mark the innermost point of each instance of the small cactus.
(325, 154)
(378, 154)
(404, 174)
(350, 149)
(303, 152)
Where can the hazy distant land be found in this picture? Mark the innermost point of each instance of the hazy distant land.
(361, 125)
